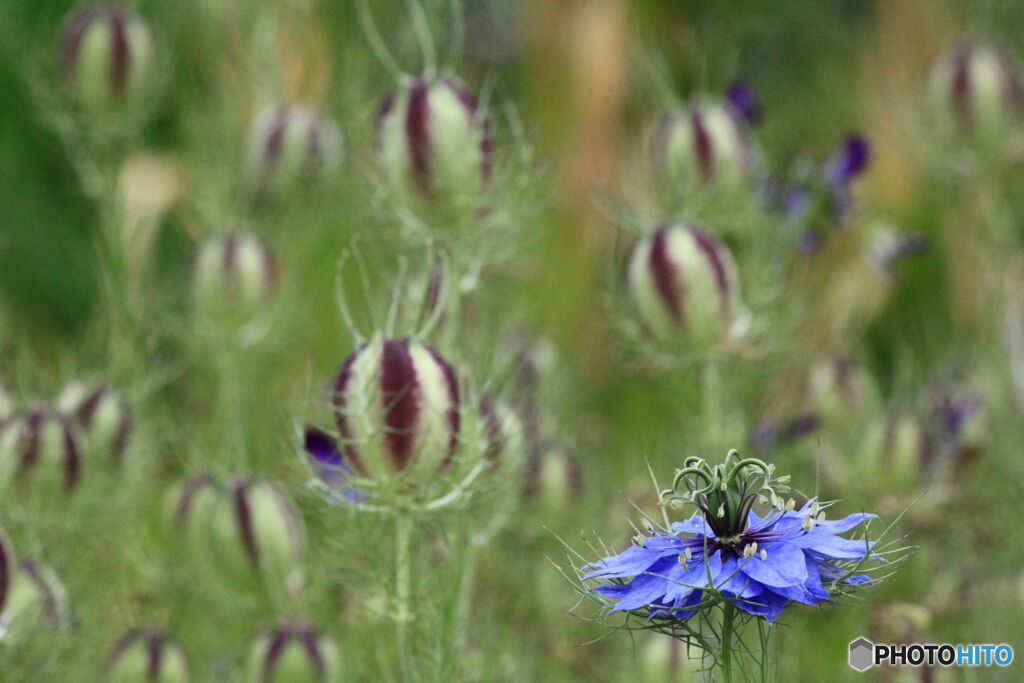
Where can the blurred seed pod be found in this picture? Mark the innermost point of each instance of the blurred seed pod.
(190, 512)
(8, 406)
(684, 286)
(256, 532)
(105, 57)
(294, 652)
(701, 144)
(962, 424)
(896, 449)
(36, 600)
(234, 279)
(396, 402)
(148, 656)
(840, 389)
(504, 442)
(975, 89)
(432, 141)
(104, 417)
(40, 446)
(555, 480)
(292, 148)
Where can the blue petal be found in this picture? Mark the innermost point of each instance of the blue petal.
(768, 605)
(784, 565)
(829, 545)
(646, 588)
(694, 525)
(811, 592)
(681, 581)
(858, 579)
(735, 582)
(631, 562)
(839, 526)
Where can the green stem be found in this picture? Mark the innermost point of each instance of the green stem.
(728, 617)
(464, 602)
(403, 590)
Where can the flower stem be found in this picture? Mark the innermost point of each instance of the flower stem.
(728, 617)
(403, 529)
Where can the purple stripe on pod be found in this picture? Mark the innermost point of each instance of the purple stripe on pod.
(119, 49)
(702, 144)
(71, 41)
(400, 393)
(190, 491)
(72, 462)
(961, 90)
(276, 647)
(493, 435)
(710, 247)
(664, 273)
(386, 107)
(51, 607)
(275, 137)
(314, 148)
(154, 655)
(309, 642)
(417, 133)
(6, 562)
(452, 413)
(124, 645)
(243, 515)
(340, 400)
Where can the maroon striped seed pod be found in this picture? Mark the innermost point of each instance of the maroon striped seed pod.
(234, 279)
(684, 285)
(701, 144)
(896, 449)
(504, 444)
(41, 446)
(103, 415)
(190, 512)
(36, 599)
(432, 141)
(976, 88)
(148, 656)
(396, 402)
(555, 480)
(105, 57)
(7, 564)
(294, 652)
(292, 148)
(257, 532)
(840, 389)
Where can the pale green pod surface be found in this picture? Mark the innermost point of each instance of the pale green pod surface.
(40, 449)
(190, 509)
(104, 417)
(684, 286)
(292, 148)
(148, 656)
(294, 653)
(840, 389)
(105, 57)
(504, 441)
(700, 144)
(36, 599)
(233, 279)
(257, 533)
(556, 482)
(432, 143)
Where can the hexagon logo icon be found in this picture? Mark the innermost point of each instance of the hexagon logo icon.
(862, 654)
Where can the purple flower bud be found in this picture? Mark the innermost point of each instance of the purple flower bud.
(40, 446)
(431, 140)
(396, 402)
(148, 656)
(684, 284)
(976, 88)
(103, 415)
(105, 57)
(294, 652)
(743, 99)
(256, 531)
(701, 144)
(849, 162)
(292, 147)
(233, 280)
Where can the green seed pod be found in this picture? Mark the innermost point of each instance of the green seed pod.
(291, 148)
(104, 417)
(504, 440)
(896, 449)
(839, 390)
(148, 656)
(555, 480)
(257, 533)
(190, 509)
(40, 446)
(684, 286)
(36, 599)
(105, 57)
(233, 280)
(293, 653)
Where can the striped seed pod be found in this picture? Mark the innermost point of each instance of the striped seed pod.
(36, 599)
(293, 652)
(40, 445)
(256, 532)
(431, 140)
(7, 565)
(504, 444)
(104, 417)
(148, 656)
(897, 449)
(292, 148)
(396, 402)
(105, 57)
(840, 389)
(684, 285)
(976, 88)
(701, 144)
(555, 480)
(190, 512)
(8, 406)
(234, 279)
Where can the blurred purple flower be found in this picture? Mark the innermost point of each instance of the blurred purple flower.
(743, 99)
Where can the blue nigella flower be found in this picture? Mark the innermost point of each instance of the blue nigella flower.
(330, 467)
(790, 555)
